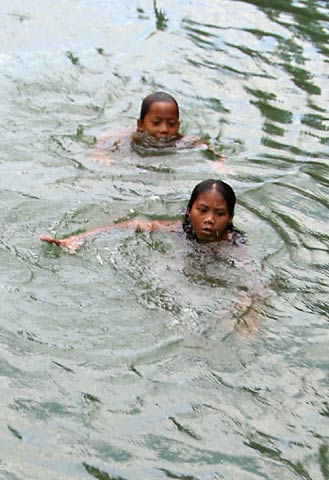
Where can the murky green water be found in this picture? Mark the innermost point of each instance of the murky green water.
(131, 359)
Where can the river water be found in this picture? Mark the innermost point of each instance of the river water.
(140, 357)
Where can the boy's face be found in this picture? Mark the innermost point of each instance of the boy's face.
(209, 217)
(161, 120)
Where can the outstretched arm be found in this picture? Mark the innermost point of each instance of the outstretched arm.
(105, 145)
(200, 144)
(217, 162)
(75, 241)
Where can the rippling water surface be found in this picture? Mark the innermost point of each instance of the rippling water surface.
(141, 356)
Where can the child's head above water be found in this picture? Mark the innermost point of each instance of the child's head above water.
(159, 116)
(210, 211)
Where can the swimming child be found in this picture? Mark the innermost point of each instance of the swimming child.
(208, 218)
(159, 116)
(157, 130)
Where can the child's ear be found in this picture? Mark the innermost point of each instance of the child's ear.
(140, 125)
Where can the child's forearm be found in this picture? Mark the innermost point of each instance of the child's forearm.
(75, 241)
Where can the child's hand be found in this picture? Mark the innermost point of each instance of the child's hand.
(100, 156)
(219, 167)
(71, 244)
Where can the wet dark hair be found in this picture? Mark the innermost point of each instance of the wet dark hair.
(156, 97)
(224, 189)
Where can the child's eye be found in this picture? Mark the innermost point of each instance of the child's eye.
(220, 213)
(202, 209)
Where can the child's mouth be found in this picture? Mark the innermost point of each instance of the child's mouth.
(207, 231)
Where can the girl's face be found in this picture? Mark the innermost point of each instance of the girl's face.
(161, 120)
(209, 217)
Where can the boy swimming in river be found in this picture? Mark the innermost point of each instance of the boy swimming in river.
(208, 219)
(157, 130)
(159, 117)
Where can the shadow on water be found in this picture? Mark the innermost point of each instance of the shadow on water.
(308, 22)
(161, 18)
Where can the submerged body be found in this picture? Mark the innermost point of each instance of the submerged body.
(207, 222)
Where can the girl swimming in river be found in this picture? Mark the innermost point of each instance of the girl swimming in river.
(157, 130)
(208, 219)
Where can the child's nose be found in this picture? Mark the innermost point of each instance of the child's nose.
(163, 127)
(210, 218)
